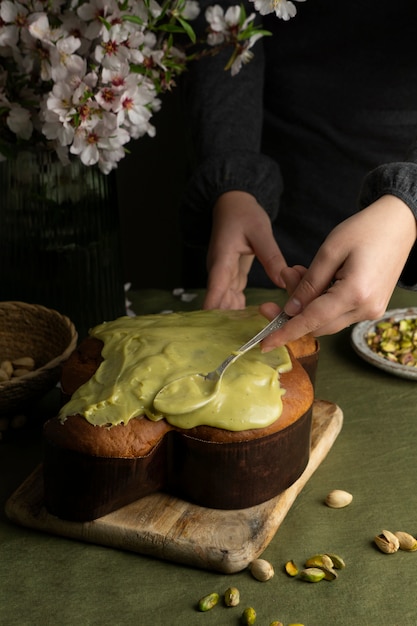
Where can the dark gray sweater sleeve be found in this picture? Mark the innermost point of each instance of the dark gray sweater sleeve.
(400, 180)
(224, 117)
(397, 179)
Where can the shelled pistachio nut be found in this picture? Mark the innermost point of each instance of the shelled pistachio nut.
(407, 541)
(338, 498)
(323, 562)
(208, 602)
(319, 560)
(338, 562)
(276, 623)
(231, 596)
(387, 542)
(395, 340)
(248, 616)
(261, 570)
(291, 568)
(312, 574)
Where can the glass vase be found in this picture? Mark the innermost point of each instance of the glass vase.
(60, 238)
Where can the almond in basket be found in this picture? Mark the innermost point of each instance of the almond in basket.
(16, 367)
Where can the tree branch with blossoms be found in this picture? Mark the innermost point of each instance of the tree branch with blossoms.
(84, 77)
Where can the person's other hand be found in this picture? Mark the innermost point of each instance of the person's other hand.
(241, 231)
(352, 276)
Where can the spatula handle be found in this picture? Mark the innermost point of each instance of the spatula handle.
(274, 325)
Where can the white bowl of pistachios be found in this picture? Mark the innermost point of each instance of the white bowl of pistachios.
(34, 343)
(389, 343)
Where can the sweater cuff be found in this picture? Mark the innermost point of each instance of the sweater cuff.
(397, 179)
(254, 173)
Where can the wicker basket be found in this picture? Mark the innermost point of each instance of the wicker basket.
(36, 331)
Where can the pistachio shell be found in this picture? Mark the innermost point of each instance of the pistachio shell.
(337, 499)
(323, 562)
(338, 562)
(319, 560)
(261, 569)
(407, 541)
(387, 542)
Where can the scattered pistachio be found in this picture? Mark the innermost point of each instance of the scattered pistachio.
(395, 341)
(312, 574)
(261, 570)
(387, 542)
(323, 562)
(291, 568)
(338, 562)
(407, 541)
(231, 596)
(248, 616)
(319, 560)
(337, 499)
(208, 602)
(276, 623)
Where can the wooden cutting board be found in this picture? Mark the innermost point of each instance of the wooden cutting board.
(168, 528)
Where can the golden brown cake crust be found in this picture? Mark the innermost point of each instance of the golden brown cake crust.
(304, 346)
(140, 435)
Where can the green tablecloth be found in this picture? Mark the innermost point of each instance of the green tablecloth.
(51, 580)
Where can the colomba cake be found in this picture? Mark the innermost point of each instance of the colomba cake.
(109, 446)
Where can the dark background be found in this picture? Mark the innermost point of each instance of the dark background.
(150, 181)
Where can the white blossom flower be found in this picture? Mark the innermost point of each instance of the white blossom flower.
(191, 10)
(60, 101)
(90, 141)
(135, 110)
(284, 9)
(58, 128)
(220, 22)
(93, 13)
(13, 15)
(112, 52)
(108, 98)
(245, 55)
(85, 76)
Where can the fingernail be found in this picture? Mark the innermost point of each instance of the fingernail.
(293, 307)
(266, 349)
